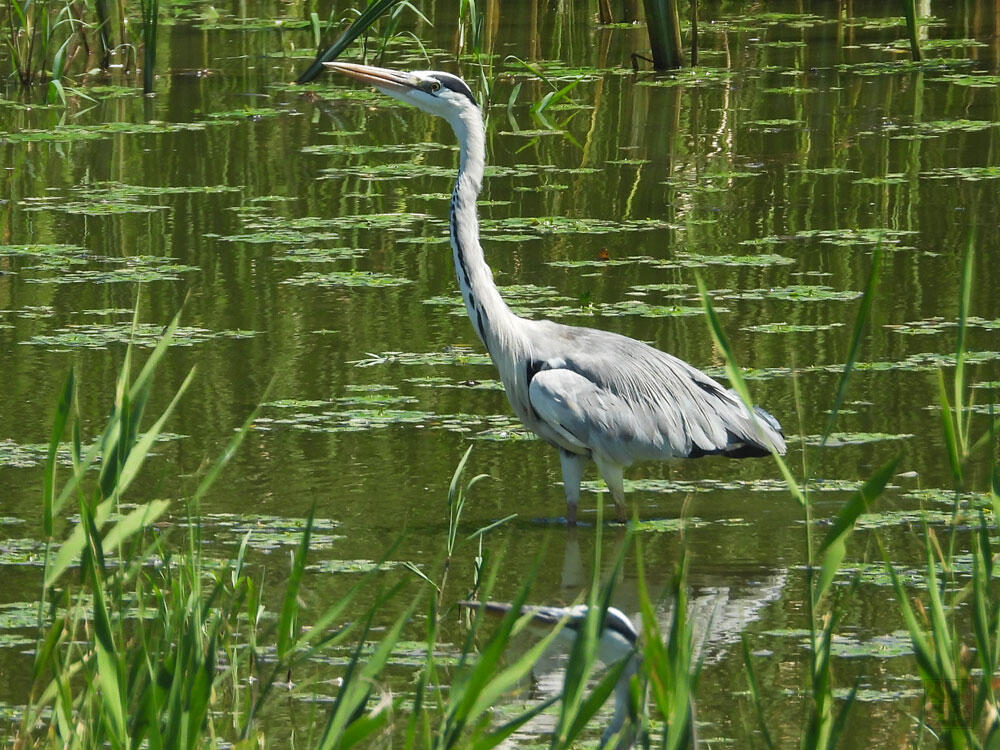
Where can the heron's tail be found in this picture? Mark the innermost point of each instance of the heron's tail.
(768, 434)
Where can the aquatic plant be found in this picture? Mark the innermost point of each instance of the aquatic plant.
(910, 12)
(824, 723)
(961, 706)
(372, 12)
(150, 12)
(663, 23)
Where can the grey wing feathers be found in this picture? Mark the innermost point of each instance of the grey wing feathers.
(629, 401)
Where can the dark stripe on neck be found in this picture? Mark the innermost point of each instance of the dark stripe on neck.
(479, 320)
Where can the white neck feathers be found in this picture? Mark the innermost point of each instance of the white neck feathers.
(488, 312)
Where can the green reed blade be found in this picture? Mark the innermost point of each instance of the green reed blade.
(663, 25)
(508, 678)
(860, 322)
(371, 13)
(960, 348)
(290, 608)
(108, 667)
(597, 698)
(834, 547)
(950, 431)
(505, 730)
(58, 428)
(738, 383)
(755, 693)
(910, 12)
(353, 692)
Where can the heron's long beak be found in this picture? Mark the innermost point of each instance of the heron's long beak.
(389, 81)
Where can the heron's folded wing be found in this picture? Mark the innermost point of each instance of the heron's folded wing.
(586, 416)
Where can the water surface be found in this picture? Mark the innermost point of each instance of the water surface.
(307, 231)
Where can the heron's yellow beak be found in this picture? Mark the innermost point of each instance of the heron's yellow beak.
(389, 81)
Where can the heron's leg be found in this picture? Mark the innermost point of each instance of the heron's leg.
(614, 477)
(572, 474)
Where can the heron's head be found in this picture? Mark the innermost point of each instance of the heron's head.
(433, 91)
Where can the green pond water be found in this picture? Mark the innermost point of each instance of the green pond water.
(308, 230)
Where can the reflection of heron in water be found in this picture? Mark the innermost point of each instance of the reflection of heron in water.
(618, 641)
(594, 395)
(722, 603)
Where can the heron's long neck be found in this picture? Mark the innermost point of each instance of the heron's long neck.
(490, 316)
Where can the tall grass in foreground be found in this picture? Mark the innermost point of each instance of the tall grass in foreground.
(959, 678)
(151, 644)
(960, 708)
(824, 723)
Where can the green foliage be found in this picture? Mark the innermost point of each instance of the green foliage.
(959, 678)
(194, 671)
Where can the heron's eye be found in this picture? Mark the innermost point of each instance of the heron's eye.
(434, 87)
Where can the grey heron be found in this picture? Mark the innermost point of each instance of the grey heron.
(594, 395)
(618, 640)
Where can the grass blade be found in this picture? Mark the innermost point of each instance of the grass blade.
(833, 547)
(860, 321)
(368, 16)
(290, 607)
(58, 427)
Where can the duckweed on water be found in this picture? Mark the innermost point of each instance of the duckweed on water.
(886, 646)
(101, 335)
(974, 80)
(97, 206)
(63, 252)
(319, 254)
(699, 260)
(970, 174)
(890, 67)
(889, 179)
(454, 355)
(909, 518)
(793, 293)
(520, 297)
(70, 133)
(277, 237)
(443, 382)
(939, 324)
(846, 236)
(670, 525)
(252, 113)
(545, 225)
(140, 268)
(358, 149)
(774, 125)
(791, 327)
(849, 438)
(21, 456)
(22, 552)
(369, 279)
(364, 419)
(351, 566)
(602, 262)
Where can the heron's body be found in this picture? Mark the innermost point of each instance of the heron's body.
(595, 395)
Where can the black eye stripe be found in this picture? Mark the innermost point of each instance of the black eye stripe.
(453, 83)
